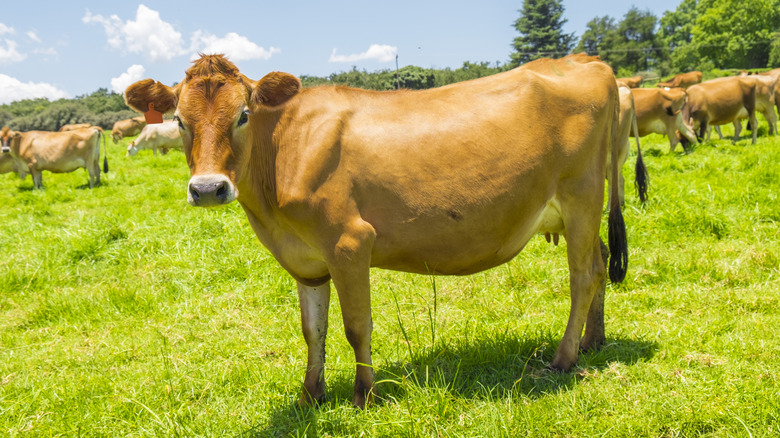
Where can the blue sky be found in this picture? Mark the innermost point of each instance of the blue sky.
(66, 49)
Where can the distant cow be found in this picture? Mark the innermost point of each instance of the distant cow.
(659, 111)
(720, 101)
(127, 128)
(682, 80)
(450, 180)
(163, 136)
(775, 73)
(59, 152)
(74, 126)
(632, 82)
(628, 122)
(765, 104)
(7, 162)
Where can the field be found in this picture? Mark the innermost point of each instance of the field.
(126, 312)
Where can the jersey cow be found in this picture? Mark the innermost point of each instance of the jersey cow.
(765, 104)
(59, 152)
(163, 136)
(7, 162)
(720, 101)
(682, 80)
(627, 118)
(659, 111)
(632, 82)
(127, 128)
(74, 126)
(452, 180)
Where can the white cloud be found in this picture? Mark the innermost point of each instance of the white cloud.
(33, 36)
(133, 74)
(48, 51)
(6, 29)
(232, 45)
(9, 54)
(147, 34)
(378, 52)
(12, 89)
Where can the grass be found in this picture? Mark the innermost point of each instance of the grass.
(125, 312)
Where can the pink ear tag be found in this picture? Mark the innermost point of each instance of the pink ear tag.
(153, 116)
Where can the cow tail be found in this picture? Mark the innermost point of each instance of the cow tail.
(616, 232)
(105, 152)
(641, 178)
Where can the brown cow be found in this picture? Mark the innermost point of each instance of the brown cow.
(632, 82)
(7, 162)
(765, 104)
(627, 119)
(59, 152)
(720, 101)
(451, 180)
(127, 128)
(682, 80)
(659, 111)
(775, 73)
(74, 126)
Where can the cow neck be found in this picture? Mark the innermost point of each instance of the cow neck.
(257, 190)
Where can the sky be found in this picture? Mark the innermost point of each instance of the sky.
(57, 49)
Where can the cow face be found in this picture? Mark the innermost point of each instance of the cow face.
(5, 136)
(674, 100)
(220, 112)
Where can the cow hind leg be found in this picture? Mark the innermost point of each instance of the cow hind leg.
(314, 303)
(594, 328)
(37, 177)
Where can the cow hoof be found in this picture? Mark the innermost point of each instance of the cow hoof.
(592, 343)
(306, 400)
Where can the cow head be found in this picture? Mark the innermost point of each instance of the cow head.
(5, 135)
(674, 100)
(131, 149)
(219, 112)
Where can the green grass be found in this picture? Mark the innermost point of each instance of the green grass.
(125, 312)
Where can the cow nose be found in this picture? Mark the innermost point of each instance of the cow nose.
(210, 190)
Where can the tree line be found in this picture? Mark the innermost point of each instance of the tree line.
(706, 35)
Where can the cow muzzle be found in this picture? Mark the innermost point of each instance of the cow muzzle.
(211, 190)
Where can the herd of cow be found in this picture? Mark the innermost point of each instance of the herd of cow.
(78, 146)
(451, 180)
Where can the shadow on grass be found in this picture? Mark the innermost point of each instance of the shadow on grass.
(483, 368)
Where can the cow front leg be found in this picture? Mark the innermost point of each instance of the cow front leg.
(37, 177)
(314, 303)
(594, 328)
(349, 268)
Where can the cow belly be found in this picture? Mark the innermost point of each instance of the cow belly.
(654, 127)
(467, 249)
(62, 166)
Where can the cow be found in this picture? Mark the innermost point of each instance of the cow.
(659, 111)
(632, 82)
(765, 104)
(127, 128)
(7, 162)
(775, 73)
(59, 152)
(627, 121)
(720, 101)
(682, 80)
(74, 126)
(445, 181)
(155, 136)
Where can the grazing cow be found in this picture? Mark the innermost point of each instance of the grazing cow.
(765, 104)
(74, 126)
(162, 136)
(59, 152)
(632, 82)
(627, 117)
(720, 101)
(682, 80)
(775, 73)
(127, 128)
(659, 111)
(7, 162)
(451, 180)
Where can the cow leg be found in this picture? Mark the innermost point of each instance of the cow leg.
(37, 177)
(737, 130)
(314, 302)
(754, 122)
(594, 328)
(771, 119)
(720, 134)
(349, 268)
(585, 271)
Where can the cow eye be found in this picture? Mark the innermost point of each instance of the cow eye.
(244, 118)
(177, 119)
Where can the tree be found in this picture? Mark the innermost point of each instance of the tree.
(676, 33)
(541, 35)
(599, 31)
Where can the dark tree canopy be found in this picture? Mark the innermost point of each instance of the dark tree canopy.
(541, 32)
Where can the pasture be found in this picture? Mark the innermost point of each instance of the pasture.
(126, 312)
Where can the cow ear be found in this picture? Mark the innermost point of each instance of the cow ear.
(139, 95)
(274, 89)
